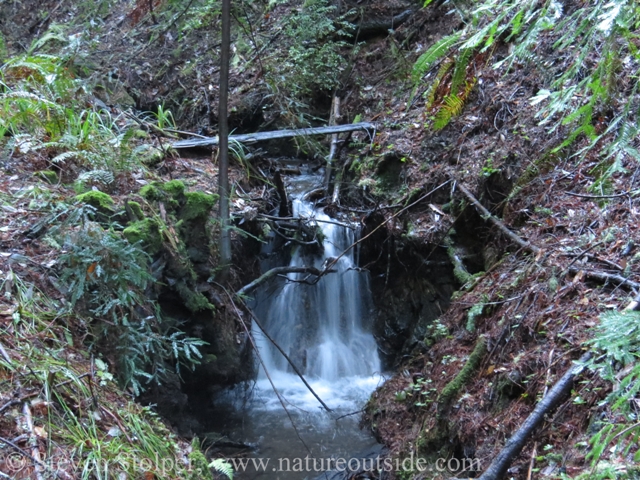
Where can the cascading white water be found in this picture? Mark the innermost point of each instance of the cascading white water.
(324, 328)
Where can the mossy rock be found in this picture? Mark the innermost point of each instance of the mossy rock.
(151, 192)
(172, 192)
(136, 209)
(146, 231)
(197, 206)
(150, 155)
(48, 175)
(193, 300)
(175, 188)
(97, 199)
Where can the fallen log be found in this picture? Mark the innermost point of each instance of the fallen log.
(261, 136)
(514, 445)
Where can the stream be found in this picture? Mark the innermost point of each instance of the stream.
(325, 329)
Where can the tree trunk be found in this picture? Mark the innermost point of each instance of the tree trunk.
(223, 134)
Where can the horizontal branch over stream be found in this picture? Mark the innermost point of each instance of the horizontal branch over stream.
(261, 136)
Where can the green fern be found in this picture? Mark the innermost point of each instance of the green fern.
(222, 466)
(452, 107)
(438, 50)
(460, 70)
(618, 336)
(430, 94)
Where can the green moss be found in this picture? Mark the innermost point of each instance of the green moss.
(146, 231)
(198, 462)
(151, 192)
(48, 175)
(194, 301)
(467, 373)
(459, 271)
(157, 191)
(140, 134)
(136, 209)
(473, 313)
(97, 199)
(151, 155)
(198, 205)
(175, 188)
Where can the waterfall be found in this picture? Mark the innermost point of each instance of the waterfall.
(325, 328)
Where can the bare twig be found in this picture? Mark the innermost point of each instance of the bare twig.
(581, 195)
(304, 219)
(33, 440)
(606, 277)
(488, 216)
(278, 271)
(293, 365)
(255, 348)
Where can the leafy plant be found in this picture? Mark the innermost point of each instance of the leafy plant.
(618, 336)
(587, 95)
(42, 106)
(105, 434)
(108, 278)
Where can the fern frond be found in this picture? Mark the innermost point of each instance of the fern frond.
(460, 70)
(433, 54)
(61, 158)
(430, 94)
(223, 467)
(101, 176)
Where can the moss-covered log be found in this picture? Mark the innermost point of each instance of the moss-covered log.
(473, 364)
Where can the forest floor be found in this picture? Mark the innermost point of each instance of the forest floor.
(534, 311)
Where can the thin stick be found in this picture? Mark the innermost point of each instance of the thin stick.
(488, 216)
(304, 219)
(581, 195)
(278, 271)
(362, 239)
(293, 365)
(33, 440)
(255, 348)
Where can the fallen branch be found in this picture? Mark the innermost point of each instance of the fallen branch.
(514, 445)
(581, 195)
(304, 219)
(488, 216)
(451, 390)
(279, 271)
(261, 136)
(606, 277)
